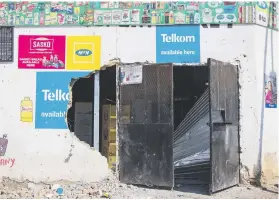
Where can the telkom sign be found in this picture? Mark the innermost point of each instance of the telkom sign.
(52, 97)
(178, 44)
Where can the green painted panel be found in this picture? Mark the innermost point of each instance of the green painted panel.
(86, 13)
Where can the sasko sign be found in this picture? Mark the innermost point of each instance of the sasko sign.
(41, 52)
(52, 98)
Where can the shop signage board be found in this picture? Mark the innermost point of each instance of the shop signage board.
(178, 44)
(83, 52)
(52, 97)
(41, 52)
(267, 14)
(131, 75)
(99, 13)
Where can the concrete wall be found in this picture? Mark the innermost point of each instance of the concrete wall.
(43, 155)
(267, 61)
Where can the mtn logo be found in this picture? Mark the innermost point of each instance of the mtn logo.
(83, 52)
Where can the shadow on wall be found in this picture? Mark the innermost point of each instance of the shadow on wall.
(82, 93)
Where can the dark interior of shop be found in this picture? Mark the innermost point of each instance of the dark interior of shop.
(82, 92)
(107, 91)
(191, 133)
(189, 84)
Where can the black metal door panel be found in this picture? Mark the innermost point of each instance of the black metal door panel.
(224, 145)
(146, 138)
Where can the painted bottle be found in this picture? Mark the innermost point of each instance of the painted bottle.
(26, 110)
(197, 18)
(167, 17)
(153, 18)
(158, 18)
(171, 17)
(17, 20)
(42, 19)
(187, 19)
(36, 19)
(191, 18)
(21, 20)
(47, 9)
(76, 10)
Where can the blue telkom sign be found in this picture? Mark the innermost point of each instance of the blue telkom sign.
(52, 97)
(178, 44)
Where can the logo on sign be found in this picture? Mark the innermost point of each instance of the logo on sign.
(83, 52)
(52, 98)
(57, 95)
(177, 38)
(262, 5)
(178, 44)
(41, 44)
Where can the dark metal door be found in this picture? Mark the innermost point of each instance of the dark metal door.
(224, 144)
(145, 124)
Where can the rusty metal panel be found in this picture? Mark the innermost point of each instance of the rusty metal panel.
(224, 141)
(146, 136)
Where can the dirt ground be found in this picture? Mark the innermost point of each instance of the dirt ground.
(111, 188)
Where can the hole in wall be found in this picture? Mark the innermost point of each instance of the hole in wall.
(80, 108)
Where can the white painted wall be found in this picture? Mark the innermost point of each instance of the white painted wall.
(40, 154)
(267, 60)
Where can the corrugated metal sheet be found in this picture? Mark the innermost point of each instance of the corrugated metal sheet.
(191, 145)
(192, 135)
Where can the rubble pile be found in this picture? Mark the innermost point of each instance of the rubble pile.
(104, 189)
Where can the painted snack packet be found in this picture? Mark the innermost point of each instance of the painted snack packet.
(3, 145)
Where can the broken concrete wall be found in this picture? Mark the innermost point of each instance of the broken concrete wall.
(54, 154)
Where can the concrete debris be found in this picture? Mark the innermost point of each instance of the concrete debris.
(112, 188)
(55, 187)
(31, 186)
(49, 195)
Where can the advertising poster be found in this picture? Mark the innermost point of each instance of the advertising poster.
(267, 14)
(52, 97)
(131, 75)
(262, 10)
(178, 44)
(41, 52)
(83, 53)
(271, 90)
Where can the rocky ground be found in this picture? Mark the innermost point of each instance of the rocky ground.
(111, 188)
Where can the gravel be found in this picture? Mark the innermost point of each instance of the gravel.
(112, 188)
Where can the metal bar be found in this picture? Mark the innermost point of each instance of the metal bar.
(96, 116)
